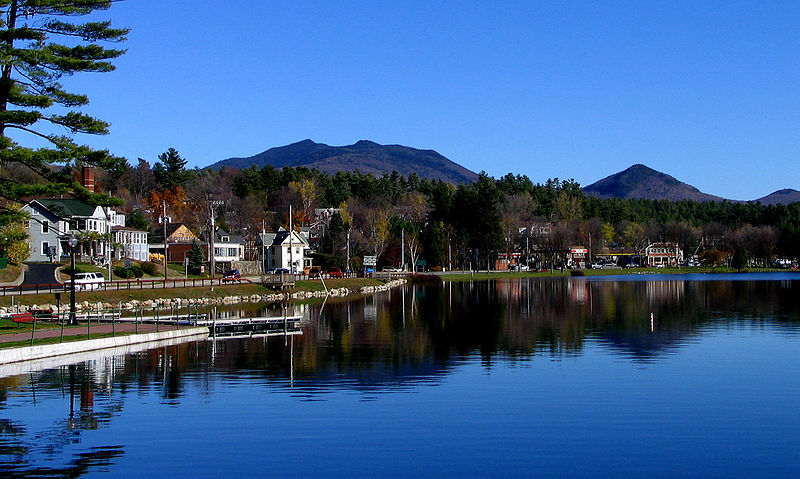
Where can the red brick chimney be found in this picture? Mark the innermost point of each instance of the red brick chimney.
(88, 177)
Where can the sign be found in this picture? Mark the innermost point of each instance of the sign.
(370, 260)
(578, 250)
(421, 262)
(127, 263)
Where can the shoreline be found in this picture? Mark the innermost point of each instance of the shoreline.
(68, 350)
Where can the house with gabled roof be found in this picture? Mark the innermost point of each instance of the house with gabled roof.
(179, 241)
(227, 247)
(52, 219)
(282, 250)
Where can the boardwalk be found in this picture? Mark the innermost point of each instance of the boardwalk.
(81, 330)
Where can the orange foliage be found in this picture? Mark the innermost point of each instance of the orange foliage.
(177, 203)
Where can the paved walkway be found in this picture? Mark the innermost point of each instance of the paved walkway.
(101, 328)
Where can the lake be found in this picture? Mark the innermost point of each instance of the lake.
(635, 376)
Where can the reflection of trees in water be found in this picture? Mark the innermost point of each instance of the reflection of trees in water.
(410, 334)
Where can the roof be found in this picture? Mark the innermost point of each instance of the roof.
(67, 207)
(127, 228)
(281, 237)
(158, 232)
(219, 234)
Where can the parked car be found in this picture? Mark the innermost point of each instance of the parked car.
(88, 281)
(336, 273)
(279, 271)
(232, 275)
(365, 272)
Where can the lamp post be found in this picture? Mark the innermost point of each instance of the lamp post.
(73, 242)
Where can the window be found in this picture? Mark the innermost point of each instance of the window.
(45, 227)
(45, 247)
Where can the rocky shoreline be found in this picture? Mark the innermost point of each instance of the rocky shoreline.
(84, 306)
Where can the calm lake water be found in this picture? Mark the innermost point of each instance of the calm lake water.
(532, 378)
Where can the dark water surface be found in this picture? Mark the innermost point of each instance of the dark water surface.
(532, 378)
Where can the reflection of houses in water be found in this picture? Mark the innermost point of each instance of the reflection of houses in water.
(665, 290)
(578, 290)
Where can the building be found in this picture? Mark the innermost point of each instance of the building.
(179, 242)
(281, 250)
(45, 229)
(663, 254)
(52, 220)
(227, 248)
(130, 243)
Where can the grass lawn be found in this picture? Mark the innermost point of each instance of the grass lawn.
(57, 339)
(10, 273)
(8, 326)
(597, 272)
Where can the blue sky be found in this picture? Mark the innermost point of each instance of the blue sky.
(708, 92)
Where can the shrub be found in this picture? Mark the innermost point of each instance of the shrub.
(136, 270)
(424, 279)
(122, 272)
(150, 268)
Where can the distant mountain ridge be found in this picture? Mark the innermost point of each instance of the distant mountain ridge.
(642, 182)
(782, 197)
(365, 156)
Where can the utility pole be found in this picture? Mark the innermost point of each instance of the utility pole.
(211, 206)
(164, 223)
(403, 249)
(110, 238)
(291, 255)
(263, 248)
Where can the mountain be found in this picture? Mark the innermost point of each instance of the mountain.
(642, 182)
(366, 156)
(782, 197)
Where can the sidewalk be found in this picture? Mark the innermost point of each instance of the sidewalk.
(80, 330)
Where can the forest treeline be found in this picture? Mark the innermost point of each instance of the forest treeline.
(441, 222)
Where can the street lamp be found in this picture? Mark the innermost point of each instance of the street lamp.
(73, 242)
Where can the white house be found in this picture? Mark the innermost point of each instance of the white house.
(281, 250)
(130, 243)
(227, 247)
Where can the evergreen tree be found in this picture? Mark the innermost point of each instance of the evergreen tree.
(171, 170)
(34, 104)
(195, 258)
(740, 258)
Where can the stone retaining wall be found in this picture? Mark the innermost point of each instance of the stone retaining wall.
(184, 302)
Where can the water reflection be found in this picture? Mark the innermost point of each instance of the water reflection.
(387, 343)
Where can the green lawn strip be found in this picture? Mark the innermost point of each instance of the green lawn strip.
(598, 272)
(334, 283)
(56, 340)
(8, 326)
(479, 276)
(10, 273)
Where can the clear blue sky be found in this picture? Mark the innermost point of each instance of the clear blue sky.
(708, 92)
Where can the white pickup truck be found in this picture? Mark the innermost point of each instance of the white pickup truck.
(88, 281)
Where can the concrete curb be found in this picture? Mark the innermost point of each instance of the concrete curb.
(30, 353)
